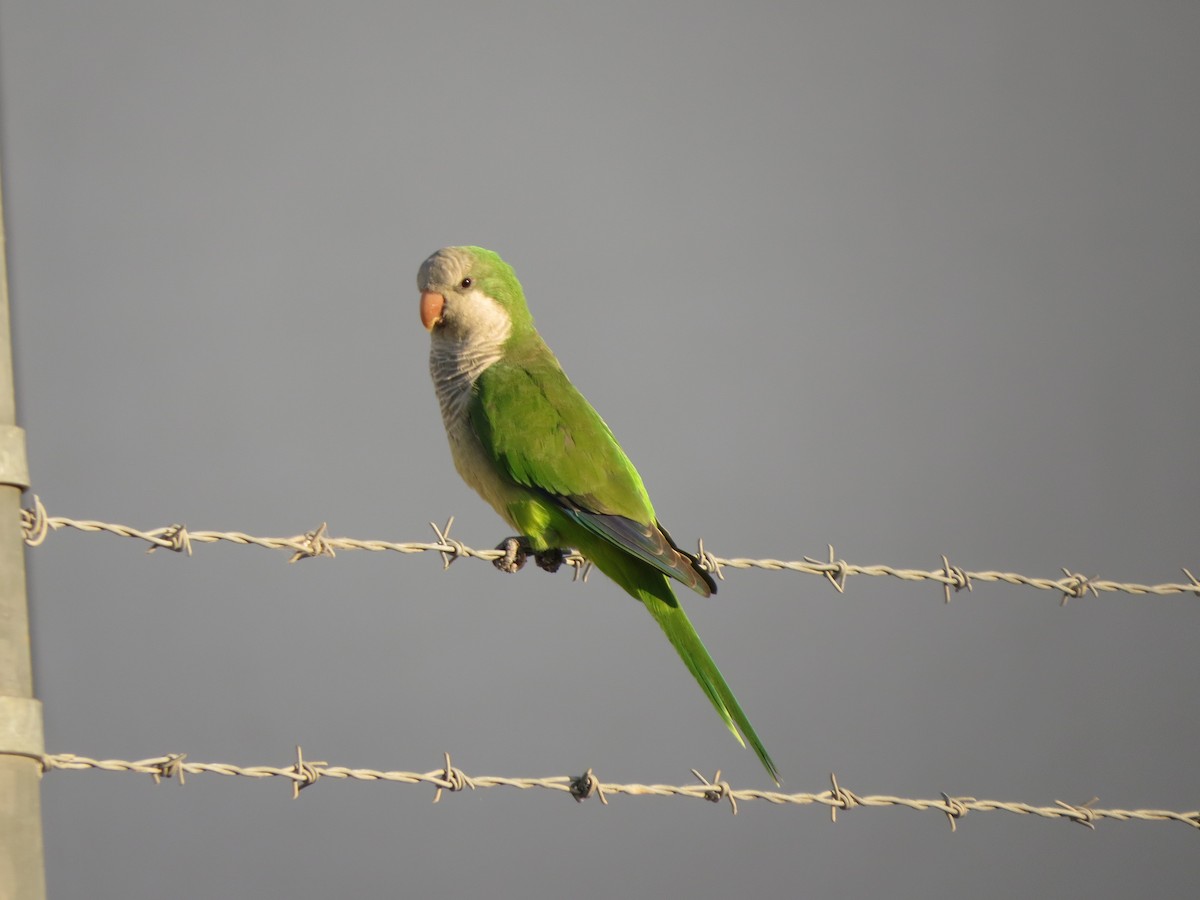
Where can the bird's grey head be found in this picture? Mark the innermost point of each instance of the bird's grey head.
(465, 297)
(467, 325)
(445, 269)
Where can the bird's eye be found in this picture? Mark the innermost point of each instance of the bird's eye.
(466, 283)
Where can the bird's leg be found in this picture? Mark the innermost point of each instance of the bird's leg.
(516, 550)
(550, 560)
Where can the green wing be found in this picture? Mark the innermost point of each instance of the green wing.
(542, 434)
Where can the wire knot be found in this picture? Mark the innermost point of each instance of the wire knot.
(35, 523)
(956, 808)
(1083, 813)
(581, 566)
(453, 549)
(1075, 585)
(587, 785)
(456, 779)
(955, 578)
(834, 569)
(313, 543)
(170, 766)
(306, 773)
(706, 561)
(841, 798)
(718, 790)
(174, 538)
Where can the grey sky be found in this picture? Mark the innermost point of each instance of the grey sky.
(912, 278)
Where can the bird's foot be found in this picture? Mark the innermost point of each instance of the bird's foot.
(516, 551)
(550, 560)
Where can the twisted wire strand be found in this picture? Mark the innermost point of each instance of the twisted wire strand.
(38, 524)
(303, 773)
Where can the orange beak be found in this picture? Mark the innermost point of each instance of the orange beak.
(431, 309)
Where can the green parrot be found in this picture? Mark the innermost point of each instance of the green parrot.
(529, 443)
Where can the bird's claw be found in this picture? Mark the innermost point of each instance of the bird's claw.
(550, 560)
(516, 551)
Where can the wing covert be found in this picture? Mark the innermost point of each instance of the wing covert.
(543, 434)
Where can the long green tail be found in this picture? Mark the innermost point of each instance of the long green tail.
(654, 590)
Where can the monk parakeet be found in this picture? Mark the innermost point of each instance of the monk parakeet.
(528, 442)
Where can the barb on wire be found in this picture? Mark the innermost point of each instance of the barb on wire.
(37, 524)
(302, 774)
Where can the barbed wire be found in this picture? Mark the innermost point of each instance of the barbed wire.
(304, 773)
(37, 524)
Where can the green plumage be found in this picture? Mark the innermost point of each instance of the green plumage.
(533, 446)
